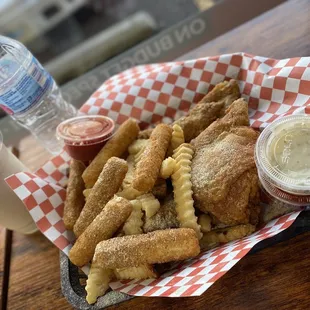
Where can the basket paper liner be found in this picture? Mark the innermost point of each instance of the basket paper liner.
(161, 93)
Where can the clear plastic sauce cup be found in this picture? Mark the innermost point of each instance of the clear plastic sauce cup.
(282, 156)
(84, 136)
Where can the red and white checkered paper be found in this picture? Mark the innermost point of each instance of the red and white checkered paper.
(161, 93)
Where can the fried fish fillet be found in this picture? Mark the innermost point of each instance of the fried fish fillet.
(225, 92)
(165, 218)
(211, 107)
(213, 238)
(224, 175)
(236, 115)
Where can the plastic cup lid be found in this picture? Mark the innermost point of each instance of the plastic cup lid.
(282, 154)
(85, 128)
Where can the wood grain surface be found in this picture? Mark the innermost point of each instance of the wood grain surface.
(2, 244)
(282, 32)
(34, 276)
(275, 278)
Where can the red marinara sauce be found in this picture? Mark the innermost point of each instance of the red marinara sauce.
(84, 136)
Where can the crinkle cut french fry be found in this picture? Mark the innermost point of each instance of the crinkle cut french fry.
(140, 272)
(149, 204)
(167, 168)
(116, 146)
(129, 193)
(145, 134)
(204, 220)
(182, 188)
(136, 146)
(177, 138)
(134, 223)
(97, 283)
(153, 248)
(139, 155)
(107, 185)
(86, 192)
(133, 226)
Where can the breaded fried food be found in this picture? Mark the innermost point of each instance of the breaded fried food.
(160, 188)
(75, 199)
(211, 107)
(160, 246)
(103, 227)
(225, 92)
(147, 170)
(108, 183)
(199, 118)
(224, 175)
(208, 109)
(140, 272)
(165, 218)
(213, 238)
(116, 146)
(236, 115)
(145, 134)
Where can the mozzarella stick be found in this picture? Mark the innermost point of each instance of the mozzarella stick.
(108, 183)
(148, 167)
(160, 246)
(75, 199)
(106, 223)
(116, 146)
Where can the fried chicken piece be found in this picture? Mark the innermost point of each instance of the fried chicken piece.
(224, 175)
(211, 107)
(199, 118)
(225, 92)
(213, 238)
(236, 115)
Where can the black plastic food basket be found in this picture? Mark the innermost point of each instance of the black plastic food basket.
(73, 280)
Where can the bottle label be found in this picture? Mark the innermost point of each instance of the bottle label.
(22, 87)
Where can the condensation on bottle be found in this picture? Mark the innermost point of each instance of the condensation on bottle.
(29, 94)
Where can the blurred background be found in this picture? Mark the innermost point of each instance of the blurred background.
(54, 28)
(83, 42)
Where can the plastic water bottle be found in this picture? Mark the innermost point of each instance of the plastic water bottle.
(30, 95)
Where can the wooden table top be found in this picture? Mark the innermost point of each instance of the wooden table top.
(274, 278)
